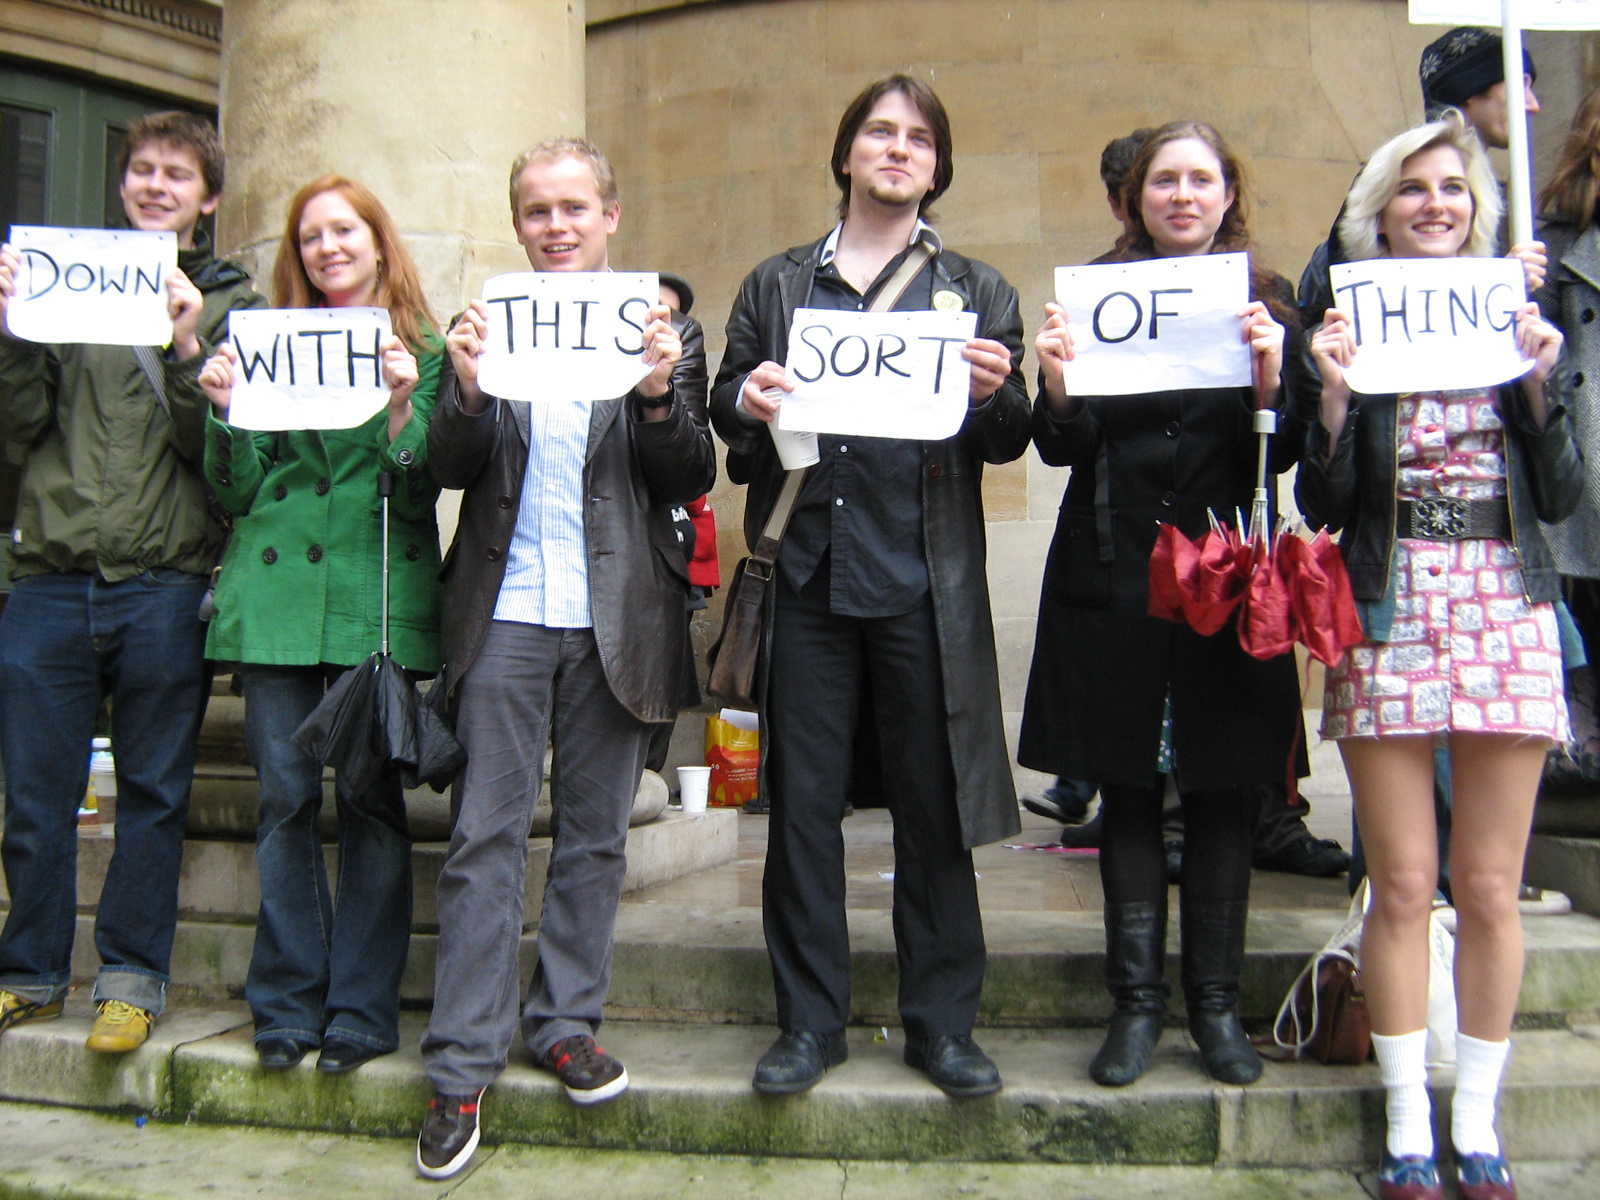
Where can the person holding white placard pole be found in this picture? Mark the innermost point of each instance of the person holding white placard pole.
(111, 552)
(297, 602)
(1435, 494)
(1127, 699)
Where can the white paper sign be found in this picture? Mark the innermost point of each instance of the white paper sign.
(1157, 325)
(1528, 14)
(893, 374)
(106, 287)
(566, 335)
(307, 368)
(1431, 324)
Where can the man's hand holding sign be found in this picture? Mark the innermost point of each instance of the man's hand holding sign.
(572, 335)
(1157, 325)
(1415, 324)
(109, 287)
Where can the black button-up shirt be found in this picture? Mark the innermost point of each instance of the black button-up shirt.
(861, 506)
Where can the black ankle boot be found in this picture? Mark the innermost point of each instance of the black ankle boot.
(1136, 951)
(1213, 955)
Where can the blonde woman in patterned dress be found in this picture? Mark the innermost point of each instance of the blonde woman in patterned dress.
(1436, 494)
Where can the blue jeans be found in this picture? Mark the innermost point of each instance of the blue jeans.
(66, 641)
(323, 966)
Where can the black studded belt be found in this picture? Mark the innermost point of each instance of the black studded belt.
(1445, 520)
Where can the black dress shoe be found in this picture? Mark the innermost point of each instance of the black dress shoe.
(339, 1056)
(954, 1062)
(797, 1060)
(280, 1054)
(1305, 855)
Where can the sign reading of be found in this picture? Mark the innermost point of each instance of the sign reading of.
(893, 374)
(1528, 14)
(1431, 324)
(106, 287)
(566, 335)
(307, 368)
(1156, 325)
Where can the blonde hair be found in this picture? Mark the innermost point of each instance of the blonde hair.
(1375, 187)
(605, 179)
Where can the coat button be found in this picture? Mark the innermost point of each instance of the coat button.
(493, 553)
(314, 552)
(505, 501)
(933, 471)
(224, 479)
(413, 553)
(323, 487)
(1172, 429)
(1577, 379)
(1168, 499)
(404, 457)
(279, 492)
(269, 556)
(1588, 315)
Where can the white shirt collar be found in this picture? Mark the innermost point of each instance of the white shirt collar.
(922, 232)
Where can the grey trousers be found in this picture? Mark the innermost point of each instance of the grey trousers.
(530, 684)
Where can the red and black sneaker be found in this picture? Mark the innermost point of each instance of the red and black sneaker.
(449, 1135)
(589, 1074)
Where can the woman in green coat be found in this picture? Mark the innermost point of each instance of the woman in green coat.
(298, 602)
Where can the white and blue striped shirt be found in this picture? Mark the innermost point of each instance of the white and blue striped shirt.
(547, 573)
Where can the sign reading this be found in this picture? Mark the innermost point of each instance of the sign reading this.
(1431, 324)
(566, 335)
(307, 368)
(106, 287)
(1156, 325)
(893, 374)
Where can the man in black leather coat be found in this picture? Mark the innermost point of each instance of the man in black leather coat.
(880, 577)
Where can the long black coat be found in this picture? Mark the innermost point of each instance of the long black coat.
(1103, 667)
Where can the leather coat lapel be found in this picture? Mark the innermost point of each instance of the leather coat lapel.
(600, 420)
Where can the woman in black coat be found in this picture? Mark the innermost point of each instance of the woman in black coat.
(1128, 699)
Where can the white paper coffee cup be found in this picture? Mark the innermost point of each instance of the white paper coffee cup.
(795, 449)
(694, 785)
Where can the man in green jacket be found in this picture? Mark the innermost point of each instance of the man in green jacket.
(110, 557)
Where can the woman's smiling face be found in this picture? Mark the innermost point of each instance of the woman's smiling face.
(1184, 198)
(1430, 213)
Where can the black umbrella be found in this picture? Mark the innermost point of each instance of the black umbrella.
(372, 718)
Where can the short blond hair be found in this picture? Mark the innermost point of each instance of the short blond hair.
(1374, 187)
(605, 179)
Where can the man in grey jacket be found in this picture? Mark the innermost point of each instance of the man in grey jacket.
(880, 577)
(563, 622)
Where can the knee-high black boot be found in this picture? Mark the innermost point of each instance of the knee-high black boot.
(1136, 951)
(1213, 956)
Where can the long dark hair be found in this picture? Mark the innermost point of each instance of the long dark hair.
(1233, 234)
(1574, 188)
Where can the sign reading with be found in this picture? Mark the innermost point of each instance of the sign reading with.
(106, 287)
(566, 335)
(307, 368)
(1528, 14)
(1157, 325)
(1431, 324)
(893, 374)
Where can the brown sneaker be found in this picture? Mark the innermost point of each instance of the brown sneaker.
(589, 1074)
(14, 1010)
(119, 1027)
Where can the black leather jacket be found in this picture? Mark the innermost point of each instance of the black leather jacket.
(634, 472)
(1354, 489)
(952, 502)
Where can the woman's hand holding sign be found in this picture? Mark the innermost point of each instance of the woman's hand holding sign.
(400, 377)
(216, 378)
(1265, 339)
(1540, 341)
(1053, 344)
(1333, 346)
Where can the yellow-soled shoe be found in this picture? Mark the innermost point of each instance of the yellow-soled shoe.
(119, 1028)
(14, 1010)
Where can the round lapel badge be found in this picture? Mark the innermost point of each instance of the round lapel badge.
(947, 301)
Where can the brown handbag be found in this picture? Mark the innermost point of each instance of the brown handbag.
(733, 659)
(1325, 1016)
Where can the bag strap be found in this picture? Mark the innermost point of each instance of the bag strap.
(766, 549)
(154, 371)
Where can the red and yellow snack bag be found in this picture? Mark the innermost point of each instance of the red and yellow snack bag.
(734, 756)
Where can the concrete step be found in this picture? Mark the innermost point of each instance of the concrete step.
(691, 1094)
(68, 1155)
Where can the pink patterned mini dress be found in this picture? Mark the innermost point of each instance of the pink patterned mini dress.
(1467, 652)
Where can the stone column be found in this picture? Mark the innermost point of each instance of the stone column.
(425, 103)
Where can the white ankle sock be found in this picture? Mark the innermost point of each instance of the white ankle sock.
(1403, 1065)
(1478, 1068)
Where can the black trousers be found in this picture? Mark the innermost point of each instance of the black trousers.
(819, 664)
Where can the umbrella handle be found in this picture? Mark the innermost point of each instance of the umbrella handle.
(385, 490)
